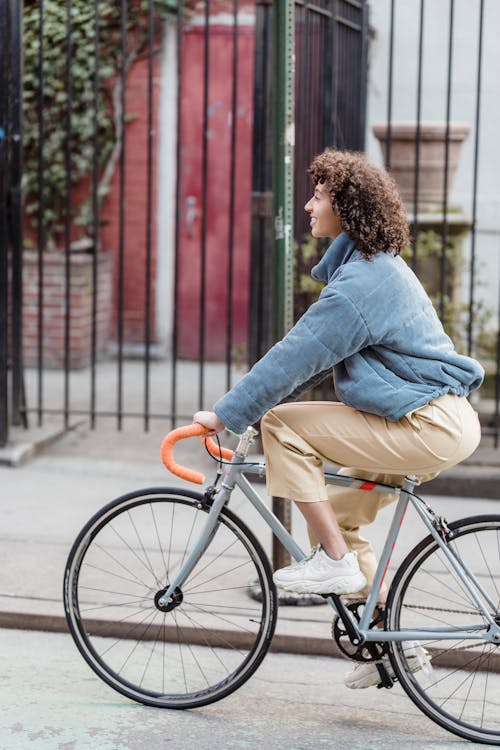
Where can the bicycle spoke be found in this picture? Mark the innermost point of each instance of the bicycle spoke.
(460, 687)
(201, 645)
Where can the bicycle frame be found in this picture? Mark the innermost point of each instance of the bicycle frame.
(234, 476)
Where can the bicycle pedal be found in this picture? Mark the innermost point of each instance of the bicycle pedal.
(386, 681)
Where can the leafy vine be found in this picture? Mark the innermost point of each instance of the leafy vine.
(72, 108)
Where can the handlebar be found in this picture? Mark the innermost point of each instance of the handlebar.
(192, 430)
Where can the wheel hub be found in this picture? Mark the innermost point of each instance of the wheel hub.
(177, 598)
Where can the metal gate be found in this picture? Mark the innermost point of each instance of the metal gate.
(132, 279)
(331, 69)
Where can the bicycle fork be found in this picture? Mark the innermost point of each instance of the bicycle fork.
(207, 533)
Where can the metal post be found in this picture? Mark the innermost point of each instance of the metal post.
(15, 212)
(4, 275)
(283, 162)
(260, 333)
(283, 195)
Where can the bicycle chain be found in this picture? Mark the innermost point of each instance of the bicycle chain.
(443, 609)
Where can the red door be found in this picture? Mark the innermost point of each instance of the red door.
(215, 193)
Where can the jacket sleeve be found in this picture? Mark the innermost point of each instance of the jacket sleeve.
(316, 380)
(331, 330)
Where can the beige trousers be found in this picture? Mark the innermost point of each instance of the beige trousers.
(299, 437)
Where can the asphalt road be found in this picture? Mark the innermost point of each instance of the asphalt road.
(50, 700)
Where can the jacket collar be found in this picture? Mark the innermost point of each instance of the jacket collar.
(339, 252)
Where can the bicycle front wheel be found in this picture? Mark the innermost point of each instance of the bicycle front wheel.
(461, 687)
(213, 636)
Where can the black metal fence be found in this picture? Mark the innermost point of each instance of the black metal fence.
(439, 147)
(153, 192)
(152, 102)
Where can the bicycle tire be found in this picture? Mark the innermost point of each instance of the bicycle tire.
(215, 637)
(458, 691)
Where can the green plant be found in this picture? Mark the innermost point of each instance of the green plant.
(73, 120)
(306, 289)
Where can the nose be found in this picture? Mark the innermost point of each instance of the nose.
(308, 206)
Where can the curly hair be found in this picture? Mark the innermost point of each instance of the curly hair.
(366, 198)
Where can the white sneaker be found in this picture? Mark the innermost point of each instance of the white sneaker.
(365, 674)
(320, 574)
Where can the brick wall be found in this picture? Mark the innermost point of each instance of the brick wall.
(54, 308)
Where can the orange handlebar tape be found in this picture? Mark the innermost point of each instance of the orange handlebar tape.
(167, 455)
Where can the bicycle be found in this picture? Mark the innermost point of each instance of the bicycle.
(170, 598)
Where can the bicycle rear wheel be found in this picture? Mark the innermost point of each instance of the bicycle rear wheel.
(461, 692)
(190, 654)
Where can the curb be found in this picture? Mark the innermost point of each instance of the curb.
(24, 444)
(281, 643)
(468, 481)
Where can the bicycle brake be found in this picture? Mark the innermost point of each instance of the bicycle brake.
(442, 528)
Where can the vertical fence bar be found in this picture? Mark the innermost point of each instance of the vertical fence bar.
(18, 415)
(416, 183)
(121, 201)
(470, 331)
(329, 74)
(284, 143)
(261, 266)
(95, 218)
(40, 212)
(68, 214)
(175, 322)
(365, 32)
(390, 87)
(232, 188)
(149, 219)
(283, 189)
(303, 109)
(444, 225)
(204, 218)
(335, 66)
(496, 411)
(4, 269)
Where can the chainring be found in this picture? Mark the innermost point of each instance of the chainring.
(372, 651)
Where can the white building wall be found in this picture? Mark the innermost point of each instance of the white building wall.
(433, 105)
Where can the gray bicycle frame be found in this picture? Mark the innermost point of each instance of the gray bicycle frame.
(234, 477)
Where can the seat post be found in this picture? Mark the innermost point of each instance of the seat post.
(410, 482)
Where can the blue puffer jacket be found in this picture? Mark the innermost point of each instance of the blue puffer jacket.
(375, 325)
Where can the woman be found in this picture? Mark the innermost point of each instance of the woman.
(401, 385)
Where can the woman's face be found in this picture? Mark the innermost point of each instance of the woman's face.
(325, 222)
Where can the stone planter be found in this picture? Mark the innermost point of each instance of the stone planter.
(432, 151)
(54, 308)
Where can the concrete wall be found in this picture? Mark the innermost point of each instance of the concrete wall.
(463, 103)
